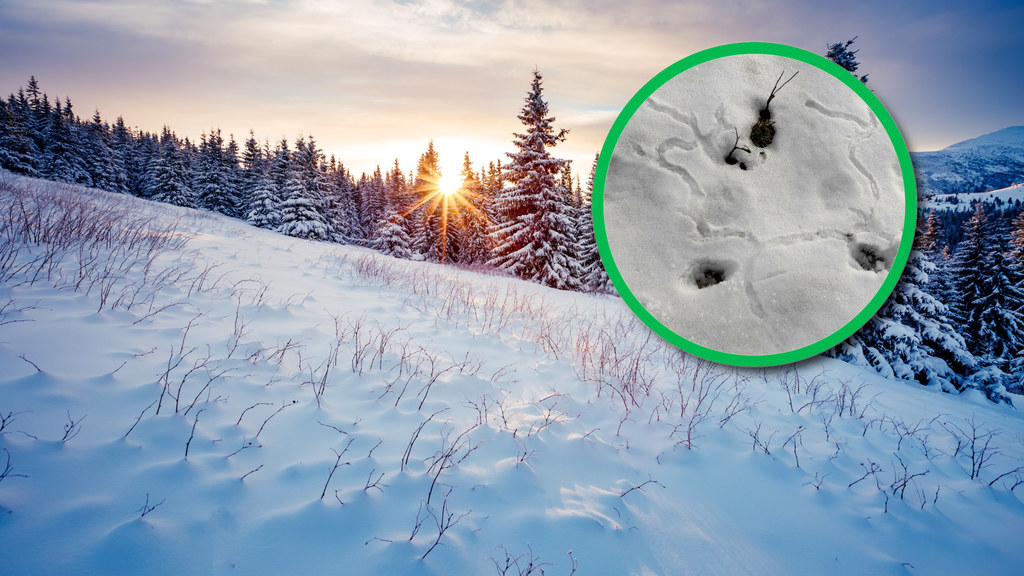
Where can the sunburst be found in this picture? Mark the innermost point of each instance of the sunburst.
(447, 205)
(448, 185)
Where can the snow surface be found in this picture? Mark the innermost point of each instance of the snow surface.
(558, 425)
(788, 234)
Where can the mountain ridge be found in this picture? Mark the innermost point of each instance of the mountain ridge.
(991, 161)
(1013, 135)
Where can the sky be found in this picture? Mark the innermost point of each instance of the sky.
(376, 80)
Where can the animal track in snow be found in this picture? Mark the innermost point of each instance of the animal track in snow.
(707, 273)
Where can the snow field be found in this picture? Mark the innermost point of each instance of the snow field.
(284, 405)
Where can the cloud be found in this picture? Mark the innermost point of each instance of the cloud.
(361, 75)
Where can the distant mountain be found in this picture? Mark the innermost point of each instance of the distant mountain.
(988, 162)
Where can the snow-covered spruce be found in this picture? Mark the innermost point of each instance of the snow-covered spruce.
(841, 54)
(531, 232)
(912, 337)
(168, 174)
(302, 201)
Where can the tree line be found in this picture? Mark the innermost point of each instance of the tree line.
(529, 216)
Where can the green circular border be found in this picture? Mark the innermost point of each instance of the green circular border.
(909, 219)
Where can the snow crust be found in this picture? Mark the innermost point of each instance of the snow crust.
(804, 236)
(577, 438)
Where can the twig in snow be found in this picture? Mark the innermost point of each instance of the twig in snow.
(337, 463)
(72, 428)
(1004, 474)
(731, 158)
(239, 422)
(444, 521)
(256, 469)
(139, 418)
(8, 471)
(640, 487)
(147, 508)
(283, 406)
(193, 433)
(34, 365)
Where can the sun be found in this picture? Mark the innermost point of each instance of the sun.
(448, 185)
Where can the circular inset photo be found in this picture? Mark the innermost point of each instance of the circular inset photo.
(754, 204)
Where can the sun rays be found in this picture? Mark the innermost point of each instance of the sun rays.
(449, 208)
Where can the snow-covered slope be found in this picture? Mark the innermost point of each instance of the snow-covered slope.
(248, 403)
(988, 162)
(961, 202)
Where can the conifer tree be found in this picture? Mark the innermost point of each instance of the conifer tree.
(62, 158)
(493, 182)
(987, 305)
(573, 206)
(106, 172)
(472, 217)
(1017, 240)
(929, 239)
(594, 276)
(309, 160)
(1000, 322)
(40, 112)
(261, 199)
(143, 156)
(233, 172)
(119, 153)
(841, 54)
(912, 337)
(168, 174)
(1015, 265)
(532, 231)
(567, 184)
(969, 275)
(431, 212)
(343, 205)
(371, 191)
(301, 211)
(393, 237)
(213, 184)
(17, 148)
